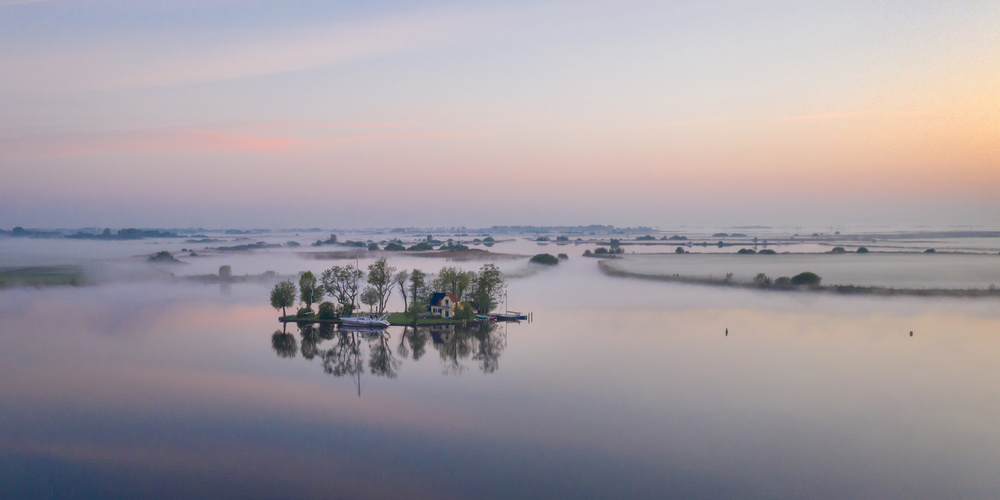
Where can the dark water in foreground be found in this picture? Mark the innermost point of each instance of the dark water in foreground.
(616, 389)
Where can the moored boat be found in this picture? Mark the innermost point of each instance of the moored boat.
(366, 321)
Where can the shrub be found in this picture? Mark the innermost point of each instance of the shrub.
(645, 238)
(373, 246)
(463, 311)
(601, 251)
(327, 310)
(783, 281)
(807, 278)
(746, 251)
(292, 244)
(420, 247)
(862, 250)
(563, 256)
(838, 250)
(163, 256)
(930, 250)
(304, 312)
(587, 253)
(545, 258)
(394, 247)
(761, 280)
(767, 251)
(679, 250)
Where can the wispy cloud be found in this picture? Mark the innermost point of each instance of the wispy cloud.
(830, 115)
(243, 138)
(166, 60)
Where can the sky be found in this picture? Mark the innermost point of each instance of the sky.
(295, 113)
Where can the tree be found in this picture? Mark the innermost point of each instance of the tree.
(225, 272)
(380, 280)
(283, 295)
(545, 258)
(453, 280)
(400, 280)
(463, 311)
(489, 287)
(369, 297)
(761, 280)
(418, 287)
(342, 283)
(309, 290)
(806, 278)
(327, 310)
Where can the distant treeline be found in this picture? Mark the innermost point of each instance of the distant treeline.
(124, 234)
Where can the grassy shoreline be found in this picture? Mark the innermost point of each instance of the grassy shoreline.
(395, 319)
(607, 269)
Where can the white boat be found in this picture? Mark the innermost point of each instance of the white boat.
(366, 321)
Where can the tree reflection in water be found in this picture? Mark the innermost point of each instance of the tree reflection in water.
(310, 339)
(344, 357)
(413, 340)
(340, 350)
(381, 362)
(483, 343)
(284, 344)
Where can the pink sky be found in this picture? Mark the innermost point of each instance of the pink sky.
(596, 112)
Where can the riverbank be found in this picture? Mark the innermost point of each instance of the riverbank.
(609, 269)
(395, 319)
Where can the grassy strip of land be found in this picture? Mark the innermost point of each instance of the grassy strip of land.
(610, 270)
(43, 276)
(395, 319)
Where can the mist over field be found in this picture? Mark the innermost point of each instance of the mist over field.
(529, 249)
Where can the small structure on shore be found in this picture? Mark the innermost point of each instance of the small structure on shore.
(443, 304)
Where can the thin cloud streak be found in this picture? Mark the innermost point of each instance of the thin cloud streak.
(167, 62)
(259, 137)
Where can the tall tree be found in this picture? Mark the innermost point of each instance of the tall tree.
(283, 295)
(380, 279)
(343, 283)
(400, 279)
(309, 290)
(418, 286)
(453, 280)
(489, 288)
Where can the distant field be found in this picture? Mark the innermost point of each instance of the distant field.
(42, 276)
(900, 270)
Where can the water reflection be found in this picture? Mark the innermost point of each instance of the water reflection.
(344, 351)
(284, 344)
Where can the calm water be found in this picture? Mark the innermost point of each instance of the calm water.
(617, 388)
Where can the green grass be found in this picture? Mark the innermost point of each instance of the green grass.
(42, 276)
(396, 319)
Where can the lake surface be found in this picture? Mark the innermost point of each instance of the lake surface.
(617, 388)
